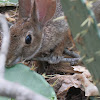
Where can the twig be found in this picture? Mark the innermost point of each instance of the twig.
(72, 61)
(5, 44)
(62, 60)
(13, 90)
(71, 53)
(69, 60)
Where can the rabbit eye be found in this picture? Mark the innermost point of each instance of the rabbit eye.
(28, 39)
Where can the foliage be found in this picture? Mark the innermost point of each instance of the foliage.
(8, 3)
(81, 19)
(23, 75)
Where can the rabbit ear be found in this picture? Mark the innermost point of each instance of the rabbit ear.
(34, 15)
(45, 9)
(25, 8)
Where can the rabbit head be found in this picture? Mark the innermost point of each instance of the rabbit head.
(26, 33)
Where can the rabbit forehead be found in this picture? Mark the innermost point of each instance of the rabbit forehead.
(21, 27)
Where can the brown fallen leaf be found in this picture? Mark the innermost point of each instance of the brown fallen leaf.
(64, 83)
(78, 80)
(68, 82)
(83, 70)
(9, 18)
(89, 88)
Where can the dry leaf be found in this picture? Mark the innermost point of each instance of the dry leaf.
(9, 18)
(64, 82)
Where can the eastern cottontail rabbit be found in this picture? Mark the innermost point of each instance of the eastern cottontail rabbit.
(37, 32)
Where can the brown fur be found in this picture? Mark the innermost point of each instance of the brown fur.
(51, 36)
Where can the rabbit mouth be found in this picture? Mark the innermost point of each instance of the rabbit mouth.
(17, 60)
(10, 63)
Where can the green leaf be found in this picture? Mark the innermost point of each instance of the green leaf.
(23, 75)
(8, 3)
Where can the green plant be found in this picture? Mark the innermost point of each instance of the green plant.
(87, 36)
(22, 74)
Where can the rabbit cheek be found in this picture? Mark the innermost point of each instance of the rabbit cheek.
(14, 56)
(15, 51)
(30, 50)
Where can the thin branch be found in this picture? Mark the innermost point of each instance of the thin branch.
(5, 44)
(14, 90)
(71, 53)
(72, 61)
(69, 60)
